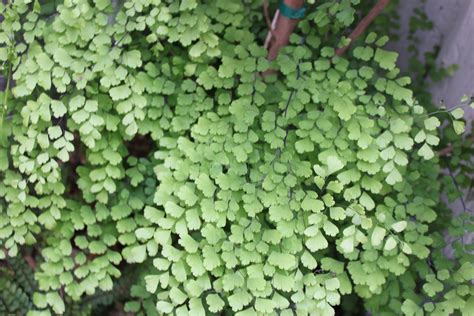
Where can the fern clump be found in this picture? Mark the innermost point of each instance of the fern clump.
(142, 133)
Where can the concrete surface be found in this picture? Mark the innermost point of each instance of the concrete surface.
(453, 32)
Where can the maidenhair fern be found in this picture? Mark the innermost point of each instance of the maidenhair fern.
(17, 286)
(143, 133)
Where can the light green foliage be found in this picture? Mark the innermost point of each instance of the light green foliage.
(246, 185)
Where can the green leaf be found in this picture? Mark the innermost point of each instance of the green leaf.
(337, 213)
(164, 307)
(309, 203)
(420, 137)
(390, 244)
(91, 106)
(151, 282)
(132, 58)
(330, 229)
(399, 126)
(308, 260)
(55, 301)
(433, 287)
(284, 261)
(102, 4)
(120, 92)
(371, 38)
(145, 233)
(62, 57)
(215, 303)
(385, 58)
(39, 300)
(347, 245)
(334, 164)
(317, 242)
(410, 308)
(188, 5)
(457, 113)
(394, 177)
(367, 202)
(332, 284)
(76, 102)
(469, 306)
(459, 127)
(345, 108)
(137, 254)
(304, 145)
(205, 184)
(187, 195)
(364, 53)
(54, 132)
(197, 49)
(177, 296)
(239, 299)
(406, 249)
(58, 108)
(152, 214)
(399, 226)
(80, 117)
(189, 244)
(161, 264)
(264, 305)
(432, 123)
(44, 61)
(377, 236)
(426, 152)
(173, 209)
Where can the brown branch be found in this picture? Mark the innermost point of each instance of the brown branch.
(30, 261)
(281, 30)
(364, 23)
(446, 151)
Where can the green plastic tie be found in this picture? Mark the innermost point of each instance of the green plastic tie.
(290, 12)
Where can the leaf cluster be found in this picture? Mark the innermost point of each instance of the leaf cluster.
(251, 195)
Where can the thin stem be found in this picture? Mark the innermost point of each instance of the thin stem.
(456, 185)
(444, 110)
(463, 203)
